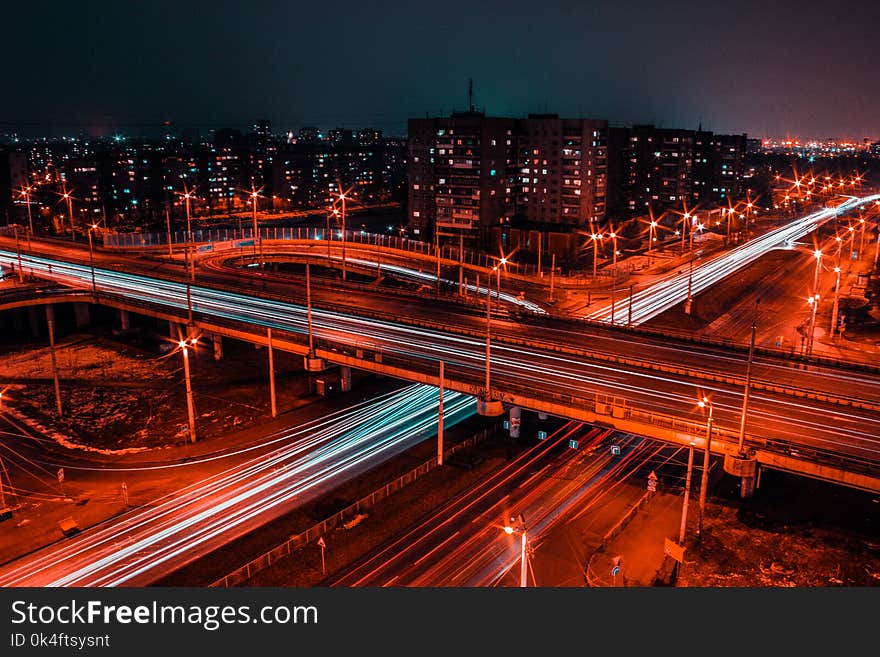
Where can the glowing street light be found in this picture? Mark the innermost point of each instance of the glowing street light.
(814, 306)
(651, 232)
(69, 198)
(26, 194)
(92, 257)
(185, 346)
(255, 195)
(836, 300)
(595, 237)
(523, 557)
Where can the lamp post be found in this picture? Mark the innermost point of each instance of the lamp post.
(704, 479)
(254, 196)
(652, 230)
(92, 258)
(184, 349)
(745, 407)
(687, 493)
(26, 193)
(67, 197)
(836, 300)
(521, 530)
(685, 220)
(187, 195)
(814, 306)
(595, 237)
(18, 253)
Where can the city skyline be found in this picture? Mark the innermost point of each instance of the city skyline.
(103, 68)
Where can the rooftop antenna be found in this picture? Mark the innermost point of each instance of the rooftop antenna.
(471, 94)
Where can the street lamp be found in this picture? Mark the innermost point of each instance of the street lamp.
(254, 194)
(92, 257)
(187, 196)
(651, 232)
(705, 402)
(595, 237)
(613, 237)
(836, 299)
(69, 198)
(185, 345)
(521, 530)
(814, 305)
(26, 193)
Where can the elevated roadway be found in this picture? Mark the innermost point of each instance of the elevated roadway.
(804, 416)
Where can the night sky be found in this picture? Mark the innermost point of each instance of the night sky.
(766, 68)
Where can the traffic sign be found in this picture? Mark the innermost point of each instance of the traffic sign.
(60, 475)
(321, 542)
(542, 435)
(615, 450)
(615, 571)
(573, 443)
(652, 482)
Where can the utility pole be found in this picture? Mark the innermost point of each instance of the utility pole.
(552, 274)
(488, 333)
(707, 454)
(460, 262)
(309, 310)
(437, 253)
(18, 251)
(540, 272)
(271, 372)
(168, 227)
(687, 492)
(440, 419)
(745, 407)
(50, 321)
(189, 394)
(836, 302)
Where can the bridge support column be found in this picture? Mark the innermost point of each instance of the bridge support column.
(124, 320)
(345, 378)
(81, 314)
(515, 421)
(217, 341)
(489, 407)
(745, 467)
(313, 364)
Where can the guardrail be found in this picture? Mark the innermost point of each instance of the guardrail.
(248, 570)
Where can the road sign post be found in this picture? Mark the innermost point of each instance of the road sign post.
(652, 482)
(61, 480)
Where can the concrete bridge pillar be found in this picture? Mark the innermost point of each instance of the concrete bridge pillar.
(81, 314)
(515, 417)
(124, 320)
(217, 341)
(489, 407)
(345, 378)
(313, 364)
(745, 467)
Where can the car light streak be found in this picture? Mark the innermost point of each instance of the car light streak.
(145, 544)
(673, 289)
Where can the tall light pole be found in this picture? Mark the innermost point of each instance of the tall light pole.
(69, 198)
(613, 237)
(18, 252)
(440, 417)
(184, 349)
(26, 193)
(687, 493)
(92, 257)
(523, 549)
(187, 196)
(685, 220)
(595, 237)
(814, 305)
(707, 454)
(836, 301)
(309, 311)
(745, 407)
(651, 232)
(254, 196)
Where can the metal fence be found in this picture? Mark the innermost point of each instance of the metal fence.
(248, 570)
